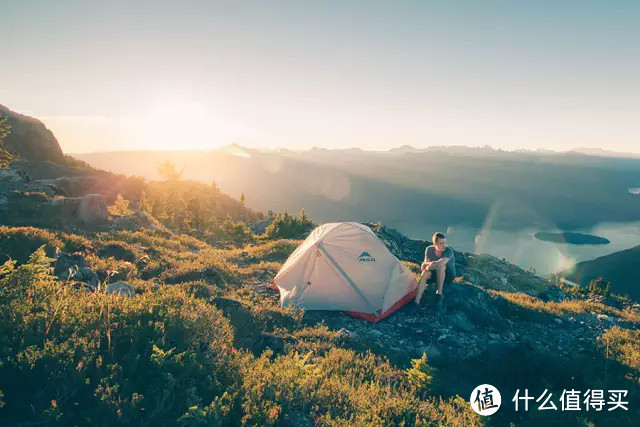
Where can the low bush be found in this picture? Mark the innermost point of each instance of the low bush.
(622, 345)
(285, 226)
(18, 243)
(99, 359)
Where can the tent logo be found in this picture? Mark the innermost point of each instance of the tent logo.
(365, 258)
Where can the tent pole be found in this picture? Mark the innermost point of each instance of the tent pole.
(348, 279)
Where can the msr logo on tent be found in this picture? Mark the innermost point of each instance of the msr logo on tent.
(365, 258)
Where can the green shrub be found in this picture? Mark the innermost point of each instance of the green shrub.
(340, 388)
(278, 250)
(228, 229)
(75, 243)
(120, 207)
(6, 158)
(100, 359)
(599, 286)
(420, 375)
(622, 345)
(285, 226)
(18, 243)
(118, 250)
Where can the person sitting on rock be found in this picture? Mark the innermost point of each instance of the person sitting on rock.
(438, 258)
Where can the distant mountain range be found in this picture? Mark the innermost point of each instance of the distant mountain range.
(437, 185)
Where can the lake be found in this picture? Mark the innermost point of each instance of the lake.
(520, 247)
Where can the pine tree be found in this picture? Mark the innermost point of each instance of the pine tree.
(120, 207)
(144, 204)
(168, 171)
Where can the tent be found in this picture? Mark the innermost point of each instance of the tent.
(344, 266)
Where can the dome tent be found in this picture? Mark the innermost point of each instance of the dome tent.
(344, 266)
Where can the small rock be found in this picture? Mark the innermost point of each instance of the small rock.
(558, 321)
(603, 317)
(121, 288)
(461, 322)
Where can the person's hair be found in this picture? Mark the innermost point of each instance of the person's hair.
(436, 236)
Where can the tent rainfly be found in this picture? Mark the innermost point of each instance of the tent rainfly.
(344, 266)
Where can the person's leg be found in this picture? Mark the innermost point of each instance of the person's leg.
(440, 276)
(426, 274)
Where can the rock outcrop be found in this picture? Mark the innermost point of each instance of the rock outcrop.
(89, 208)
(30, 139)
(406, 249)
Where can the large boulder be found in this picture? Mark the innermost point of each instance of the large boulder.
(89, 208)
(66, 262)
(30, 139)
(491, 272)
(10, 175)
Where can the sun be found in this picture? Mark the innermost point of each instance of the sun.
(182, 125)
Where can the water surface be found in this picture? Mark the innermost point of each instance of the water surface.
(520, 247)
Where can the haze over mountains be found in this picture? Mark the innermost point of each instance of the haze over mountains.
(438, 185)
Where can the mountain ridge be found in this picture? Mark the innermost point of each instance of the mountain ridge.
(30, 139)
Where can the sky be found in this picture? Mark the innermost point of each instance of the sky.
(120, 75)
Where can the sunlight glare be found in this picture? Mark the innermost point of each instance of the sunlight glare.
(183, 125)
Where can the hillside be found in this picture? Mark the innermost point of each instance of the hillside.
(621, 268)
(212, 327)
(29, 138)
(44, 188)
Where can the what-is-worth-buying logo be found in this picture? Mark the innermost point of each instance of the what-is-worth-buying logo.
(365, 258)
